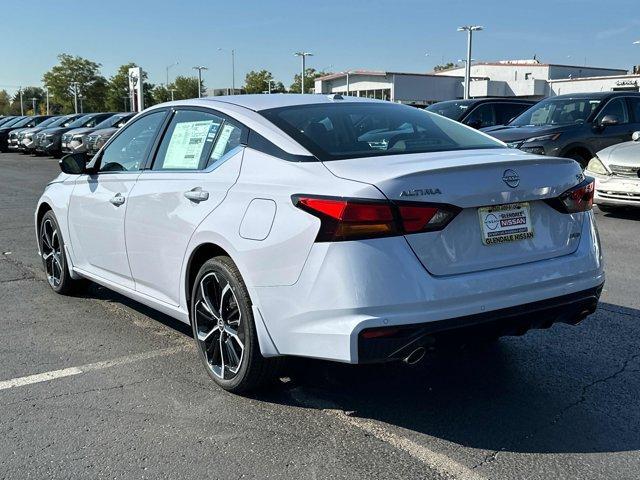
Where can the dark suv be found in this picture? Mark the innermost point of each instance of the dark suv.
(574, 126)
(481, 112)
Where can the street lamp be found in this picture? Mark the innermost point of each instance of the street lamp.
(233, 69)
(75, 95)
(172, 90)
(47, 91)
(168, 67)
(303, 56)
(467, 72)
(200, 69)
(270, 82)
(33, 102)
(81, 97)
(21, 103)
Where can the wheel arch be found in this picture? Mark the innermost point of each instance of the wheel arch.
(198, 257)
(581, 149)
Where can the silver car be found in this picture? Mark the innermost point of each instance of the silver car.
(616, 170)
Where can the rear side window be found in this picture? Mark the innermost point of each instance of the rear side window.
(481, 116)
(337, 131)
(505, 112)
(617, 108)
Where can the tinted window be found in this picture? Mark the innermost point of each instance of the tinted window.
(634, 102)
(187, 143)
(454, 109)
(505, 112)
(48, 122)
(128, 150)
(12, 122)
(616, 107)
(481, 116)
(564, 111)
(349, 130)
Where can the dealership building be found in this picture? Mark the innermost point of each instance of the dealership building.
(530, 79)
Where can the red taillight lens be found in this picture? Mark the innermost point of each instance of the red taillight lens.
(576, 199)
(352, 219)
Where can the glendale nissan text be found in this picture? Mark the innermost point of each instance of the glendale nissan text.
(280, 225)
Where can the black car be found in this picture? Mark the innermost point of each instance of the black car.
(575, 126)
(24, 122)
(28, 137)
(103, 132)
(49, 141)
(482, 112)
(6, 120)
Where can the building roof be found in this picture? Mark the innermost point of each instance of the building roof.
(526, 63)
(379, 73)
(635, 77)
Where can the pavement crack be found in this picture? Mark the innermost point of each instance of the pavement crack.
(491, 457)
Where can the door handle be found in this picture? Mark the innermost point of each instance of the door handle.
(197, 195)
(117, 199)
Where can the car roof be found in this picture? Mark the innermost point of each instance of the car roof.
(595, 95)
(261, 101)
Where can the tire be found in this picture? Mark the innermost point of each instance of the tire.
(226, 340)
(54, 258)
(578, 158)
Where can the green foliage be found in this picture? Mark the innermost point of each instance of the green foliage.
(446, 66)
(27, 94)
(258, 82)
(5, 103)
(186, 87)
(310, 74)
(91, 84)
(118, 88)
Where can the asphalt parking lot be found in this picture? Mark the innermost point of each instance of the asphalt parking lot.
(131, 399)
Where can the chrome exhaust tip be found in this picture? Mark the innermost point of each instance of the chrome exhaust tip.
(415, 356)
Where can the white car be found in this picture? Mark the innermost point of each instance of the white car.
(275, 229)
(616, 170)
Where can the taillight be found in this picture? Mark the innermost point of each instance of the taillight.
(576, 199)
(353, 219)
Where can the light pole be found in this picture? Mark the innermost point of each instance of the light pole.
(168, 67)
(270, 82)
(172, 90)
(200, 69)
(467, 72)
(33, 103)
(47, 91)
(233, 69)
(124, 99)
(303, 56)
(81, 97)
(21, 103)
(75, 95)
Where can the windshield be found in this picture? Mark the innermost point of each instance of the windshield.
(60, 121)
(453, 109)
(48, 122)
(24, 121)
(79, 123)
(6, 120)
(351, 130)
(565, 111)
(111, 121)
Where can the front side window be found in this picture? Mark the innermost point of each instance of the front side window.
(481, 116)
(565, 111)
(616, 108)
(349, 130)
(454, 109)
(128, 151)
(505, 112)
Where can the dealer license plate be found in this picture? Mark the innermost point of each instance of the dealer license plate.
(505, 223)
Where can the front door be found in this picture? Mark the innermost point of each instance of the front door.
(196, 164)
(99, 202)
(612, 134)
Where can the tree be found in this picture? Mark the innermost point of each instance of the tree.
(310, 74)
(74, 69)
(258, 82)
(186, 87)
(161, 94)
(27, 94)
(5, 103)
(446, 66)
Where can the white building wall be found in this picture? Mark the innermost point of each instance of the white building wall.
(601, 84)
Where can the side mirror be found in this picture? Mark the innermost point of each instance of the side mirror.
(635, 136)
(609, 121)
(74, 163)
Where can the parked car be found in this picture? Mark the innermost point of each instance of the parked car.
(105, 130)
(5, 120)
(49, 142)
(29, 136)
(264, 222)
(616, 170)
(74, 141)
(22, 122)
(17, 136)
(573, 126)
(482, 112)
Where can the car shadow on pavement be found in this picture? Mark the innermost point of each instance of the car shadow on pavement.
(623, 213)
(562, 390)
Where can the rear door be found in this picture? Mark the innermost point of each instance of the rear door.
(505, 112)
(99, 202)
(613, 134)
(197, 161)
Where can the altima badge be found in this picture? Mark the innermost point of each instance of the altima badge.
(420, 191)
(511, 178)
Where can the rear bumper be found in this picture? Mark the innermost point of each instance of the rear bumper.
(400, 342)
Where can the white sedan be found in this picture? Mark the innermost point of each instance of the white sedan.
(345, 229)
(616, 170)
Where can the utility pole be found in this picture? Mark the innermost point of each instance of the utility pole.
(467, 72)
(21, 102)
(168, 67)
(270, 82)
(75, 95)
(47, 90)
(303, 56)
(81, 97)
(200, 69)
(33, 103)
(172, 90)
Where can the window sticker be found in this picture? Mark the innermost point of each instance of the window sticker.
(187, 142)
(222, 142)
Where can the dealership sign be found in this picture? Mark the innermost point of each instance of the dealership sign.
(135, 89)
(627, 83)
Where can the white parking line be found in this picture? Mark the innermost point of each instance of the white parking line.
(68, 372)
(437, 462)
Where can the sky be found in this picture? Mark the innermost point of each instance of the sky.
(392, 35)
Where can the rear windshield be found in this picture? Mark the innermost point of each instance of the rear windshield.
(454, 109)
(351, 130)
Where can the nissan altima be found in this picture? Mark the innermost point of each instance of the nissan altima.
(275, 228)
